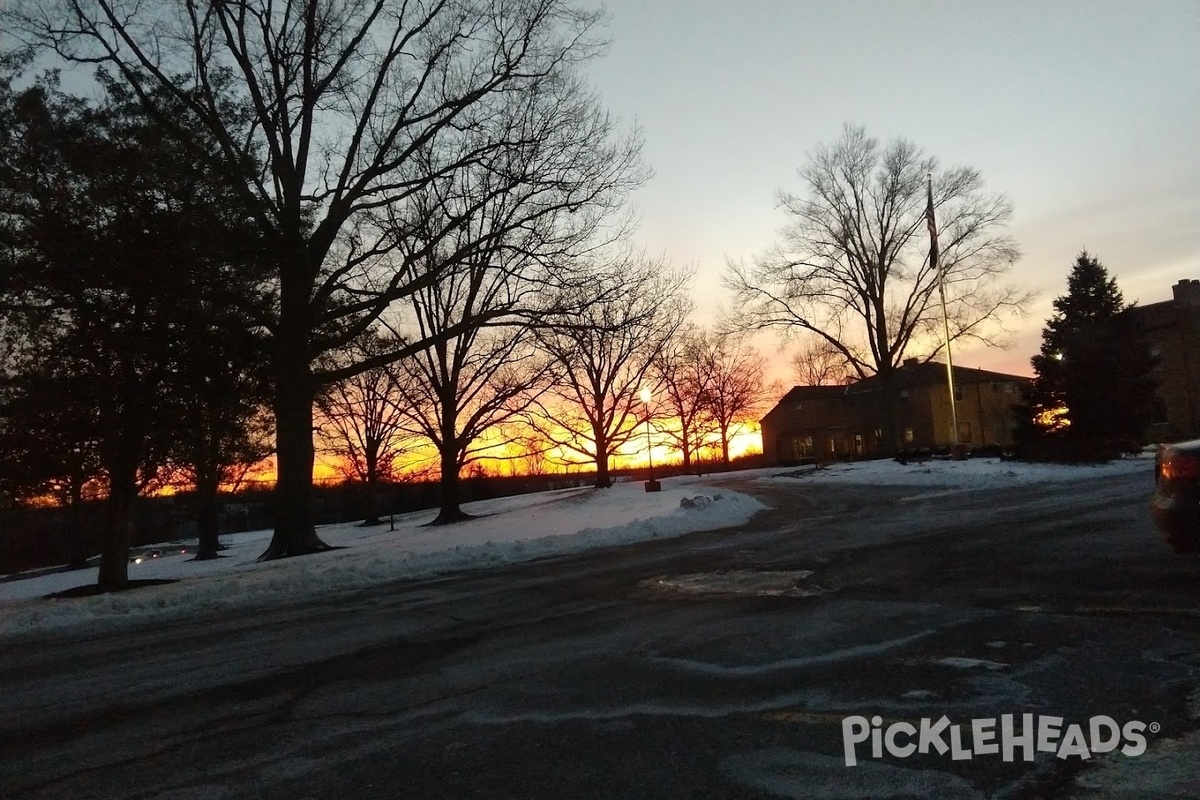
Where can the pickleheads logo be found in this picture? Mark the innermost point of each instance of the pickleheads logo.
(982, 737)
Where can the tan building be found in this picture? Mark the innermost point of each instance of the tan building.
(1173, 330)
(814, 423)
(831, 423)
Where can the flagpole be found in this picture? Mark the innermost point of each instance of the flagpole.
(935, 262)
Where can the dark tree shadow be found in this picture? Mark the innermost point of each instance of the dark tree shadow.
(91, 590)
(449, 519)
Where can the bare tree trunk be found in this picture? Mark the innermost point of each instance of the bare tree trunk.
(725, 445)
(371, 456)
(449, 510)
(603, 481)
(118, 532)
(294, 531)
(77, 540)
(371, 506)
(685, 447)
(207, 521)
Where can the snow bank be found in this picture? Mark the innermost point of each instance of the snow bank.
(505, 531)
(974, 473)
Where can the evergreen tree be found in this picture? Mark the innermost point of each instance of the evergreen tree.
(1093, 385)
(134, 284)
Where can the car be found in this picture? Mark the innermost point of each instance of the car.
(144, 555)
(1176, 503)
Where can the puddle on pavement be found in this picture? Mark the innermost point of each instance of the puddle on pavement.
(780, 583)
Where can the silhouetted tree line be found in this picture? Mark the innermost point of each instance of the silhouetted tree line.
(134, 293)
(278, 223)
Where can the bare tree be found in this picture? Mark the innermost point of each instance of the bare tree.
(361, 420)
(533, 454)
(470, 386)
(680, 372)
(816, 362)
(219, 453)
(605, 356)
(852, 263)
(351, 108)
(526, 223)
(735, 388)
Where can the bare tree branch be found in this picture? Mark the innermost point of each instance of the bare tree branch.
(851, 266)
(605, 357)
(355, 111)
(735, 390)
(816, 362)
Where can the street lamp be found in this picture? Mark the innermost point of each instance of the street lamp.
(651, 484)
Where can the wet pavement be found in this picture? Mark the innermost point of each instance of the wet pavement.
(721, 665)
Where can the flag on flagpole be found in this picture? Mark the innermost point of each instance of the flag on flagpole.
(932, 223)
(941, 280)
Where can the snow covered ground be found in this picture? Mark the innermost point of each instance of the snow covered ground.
(506, 530)
(974, 473)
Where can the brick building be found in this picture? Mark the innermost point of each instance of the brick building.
(814, 423)
(1173, 330)
(831, 423)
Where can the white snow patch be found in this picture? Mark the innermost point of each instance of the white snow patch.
(852, 653)
(505, 530)
(763, 584)
(956, 662)
(973, 473)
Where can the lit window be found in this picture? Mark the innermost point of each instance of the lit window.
(908, 435)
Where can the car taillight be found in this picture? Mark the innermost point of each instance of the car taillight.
(1179, 467)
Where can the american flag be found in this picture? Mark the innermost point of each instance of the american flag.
(932, 223)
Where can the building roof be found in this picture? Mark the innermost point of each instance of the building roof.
(798, 394)
(933, 373)
(910, 374)
(1163, 314)
(812, 393)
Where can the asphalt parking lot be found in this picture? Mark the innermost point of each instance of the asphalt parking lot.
(728, 664)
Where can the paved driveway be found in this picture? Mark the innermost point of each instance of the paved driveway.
(720, 665)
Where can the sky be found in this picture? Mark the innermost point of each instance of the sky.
(1085, 113)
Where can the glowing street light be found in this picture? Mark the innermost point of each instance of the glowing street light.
(651, 484)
